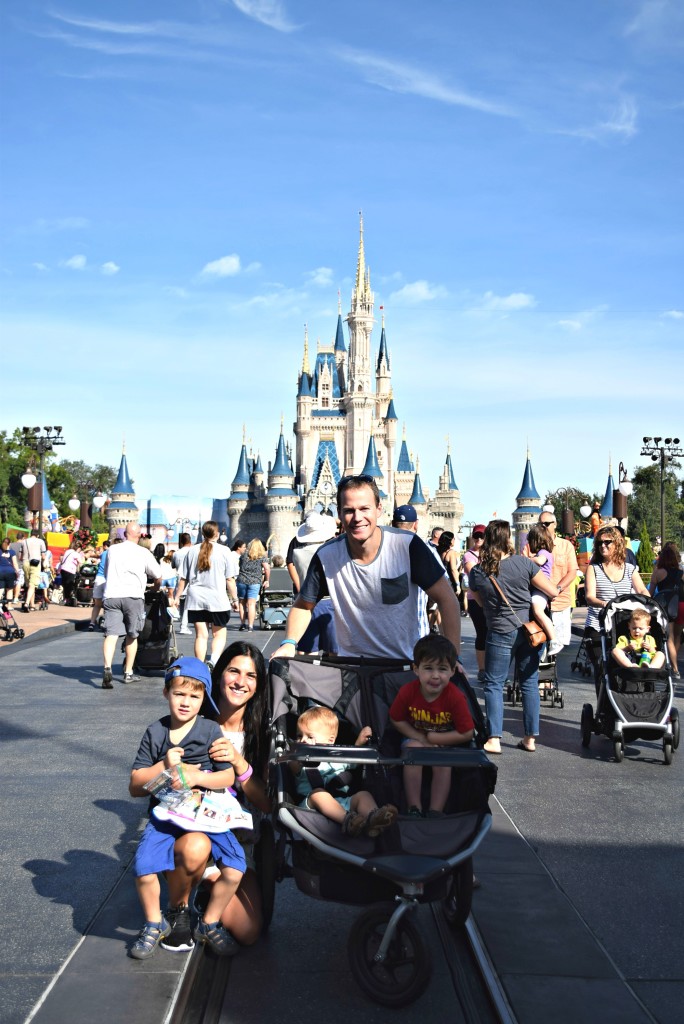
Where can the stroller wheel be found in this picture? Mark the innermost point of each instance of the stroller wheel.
(265, 857)
(674, 722)
(667, 750)
(561, 701)
(619, 750)
(404, 973)
(459, 898)
(573, 666)
(19, 634)
(587, 724)
(509, 694)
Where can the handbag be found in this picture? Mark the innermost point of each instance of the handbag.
(535, 634)
(669, 602)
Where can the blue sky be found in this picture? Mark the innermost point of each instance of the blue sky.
(181, 181)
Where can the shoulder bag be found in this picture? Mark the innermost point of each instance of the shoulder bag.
(535, 634)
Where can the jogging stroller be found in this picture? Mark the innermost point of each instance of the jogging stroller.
(549, 690)
(416, 860)
(632, 703)
(157, 642)
(9, 625)
(276, 601)
(85, 580)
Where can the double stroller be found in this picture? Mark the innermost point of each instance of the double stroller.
(416, 860)
(632, 703)
(276, 600)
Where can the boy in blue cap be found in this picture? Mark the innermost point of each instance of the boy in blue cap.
(182, 737)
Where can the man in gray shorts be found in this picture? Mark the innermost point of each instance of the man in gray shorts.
(127, 570)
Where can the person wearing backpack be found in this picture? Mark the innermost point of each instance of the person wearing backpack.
(667, 586)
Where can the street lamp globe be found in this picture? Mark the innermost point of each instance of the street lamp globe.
(28, 479)
(74, 503)
(585, 511)
(99, 500)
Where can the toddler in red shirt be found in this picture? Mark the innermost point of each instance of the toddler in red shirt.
(431, 711)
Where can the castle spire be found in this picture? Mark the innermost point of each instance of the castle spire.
(305, 360)
(417, 496)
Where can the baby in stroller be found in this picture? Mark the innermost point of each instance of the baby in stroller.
(638, 650)
(326, 788)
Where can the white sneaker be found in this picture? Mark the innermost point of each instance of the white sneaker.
(184, 632)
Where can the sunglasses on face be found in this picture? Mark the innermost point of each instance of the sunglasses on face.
(478, 536)
(605, 543)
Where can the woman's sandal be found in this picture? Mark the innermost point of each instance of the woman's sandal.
(150, 936)
(528, 750)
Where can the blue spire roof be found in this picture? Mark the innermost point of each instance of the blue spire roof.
(323, 360)
(391, 414)
(417, 497)
(450, 471)
(242, 475)
(606, 509)
(372, 467)
(305, 385)
(528, 489)
(339, 336)
(383, 351)
(404, 465)
(123, 483)
(326, 449)
(258, 468)
(281, 466)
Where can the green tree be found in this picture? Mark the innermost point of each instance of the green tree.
(645, 554)
(575, 499)
(643, 505)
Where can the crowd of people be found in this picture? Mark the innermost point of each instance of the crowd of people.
(360, 589)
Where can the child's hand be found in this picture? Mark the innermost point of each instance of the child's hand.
(364, 736)
(433, 739)
(194, 776)
(173, 757)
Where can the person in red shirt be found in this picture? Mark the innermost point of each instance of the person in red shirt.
(430, 711)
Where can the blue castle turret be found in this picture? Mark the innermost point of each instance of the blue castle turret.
(606, 510)
(528, 507)
(122, 508)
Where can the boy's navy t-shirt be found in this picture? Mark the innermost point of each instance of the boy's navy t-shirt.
(156, 742)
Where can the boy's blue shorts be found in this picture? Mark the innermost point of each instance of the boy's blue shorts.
(155, 849)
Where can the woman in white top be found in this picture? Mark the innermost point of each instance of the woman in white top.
(207, 580)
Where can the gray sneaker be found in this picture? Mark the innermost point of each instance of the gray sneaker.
(217, 938)
(130, 677)
(107, 683)
(179, 939)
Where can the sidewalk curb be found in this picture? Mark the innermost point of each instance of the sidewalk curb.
(41, 636)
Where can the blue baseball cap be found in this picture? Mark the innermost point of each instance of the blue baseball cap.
(405, 514)
(191, 668)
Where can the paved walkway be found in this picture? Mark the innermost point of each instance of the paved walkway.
(580, 907)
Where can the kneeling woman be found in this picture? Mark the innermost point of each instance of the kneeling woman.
(517, 578)
(239, 691)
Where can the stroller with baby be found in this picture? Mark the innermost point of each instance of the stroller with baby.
(633, 703)
(276, 600)
(84, 583)
(416, 860)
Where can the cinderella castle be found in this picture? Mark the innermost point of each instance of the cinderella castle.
(346, 424)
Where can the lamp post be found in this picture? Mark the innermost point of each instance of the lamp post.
(662, 452)
(567, 516)
(41, 443)
(621, 493)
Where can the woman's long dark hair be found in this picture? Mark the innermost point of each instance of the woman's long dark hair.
(210, 532)
(159, 551)
(255, 720)
(497, 543)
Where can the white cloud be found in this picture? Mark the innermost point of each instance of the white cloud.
(74, 262)
(674, 314)
(418, 291)
(110, 268)
(620, 122)
(322, 277)
(226, 266)
(508, 303)
(570, 325)
(252, 267)
(268, 12)
(39, 266)
(658, 22)
(403, 78)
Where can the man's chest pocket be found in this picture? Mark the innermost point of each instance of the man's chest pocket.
(396, 590)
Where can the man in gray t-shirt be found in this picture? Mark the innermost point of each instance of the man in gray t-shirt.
(374, 576)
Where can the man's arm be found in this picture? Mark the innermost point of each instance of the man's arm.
(441, 594)
(573, 568)
(297, 621)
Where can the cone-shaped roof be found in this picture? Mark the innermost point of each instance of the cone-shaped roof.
(450, 473)
(372, 467)
(339, 336)
(258, 467)
(281, 467)
(123, 483)
(404, 464)
(417, 496)
(391, 413)
(528, 489)
(606, 510)
(383, 351)
(305, 385)
(242, 475)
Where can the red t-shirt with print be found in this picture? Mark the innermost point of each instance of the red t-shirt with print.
(448, 713)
